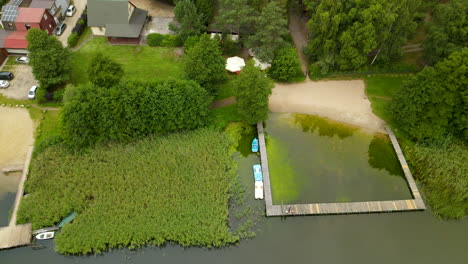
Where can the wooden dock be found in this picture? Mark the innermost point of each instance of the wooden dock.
(414, 204)
(17, 235)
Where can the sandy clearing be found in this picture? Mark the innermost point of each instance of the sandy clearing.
(344, 101)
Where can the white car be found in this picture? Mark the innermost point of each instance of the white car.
(71, 10)
(32, 92)
(22, 59)
(4, 84)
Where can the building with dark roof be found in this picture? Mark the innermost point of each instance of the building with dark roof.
(116, 19)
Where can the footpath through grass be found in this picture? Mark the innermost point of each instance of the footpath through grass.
(157, 190)
(139, 62)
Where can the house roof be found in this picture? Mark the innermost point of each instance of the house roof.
(9, 13)
(42, 4)
(16, 40)
(30, 15)
(3, 36)
(130, 30)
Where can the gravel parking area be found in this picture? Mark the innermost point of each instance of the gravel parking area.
(20, 85)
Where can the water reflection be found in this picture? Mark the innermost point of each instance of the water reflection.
(324, 126)
(382, 155)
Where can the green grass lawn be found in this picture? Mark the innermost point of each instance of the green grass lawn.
(221, 117)
(85, 35)
(138, 62)
(225, 89)
(160, 189)
(380, 89)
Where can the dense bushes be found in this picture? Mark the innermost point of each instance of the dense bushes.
(204, 62)
(164, 189)
(104, 72)
(73, 39)
(286, 66)
(442, 168)
(156, 39)
(131, 110)
(434, 103)
(78, 29)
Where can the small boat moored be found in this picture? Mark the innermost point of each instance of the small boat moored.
(257, 168)
(255, 145)
(45, 235)
(259, 190)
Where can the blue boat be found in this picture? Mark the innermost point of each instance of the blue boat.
(257, 172)
(255, 145)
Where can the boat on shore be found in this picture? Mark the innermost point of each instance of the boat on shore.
(259, 190)
(255, 145)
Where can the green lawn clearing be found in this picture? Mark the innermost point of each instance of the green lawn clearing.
(138, 62)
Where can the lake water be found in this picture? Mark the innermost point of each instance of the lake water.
(412, 237)
(314, 159)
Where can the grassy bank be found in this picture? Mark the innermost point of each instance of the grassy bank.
(439, 166)
(138, 62)
(158, 190)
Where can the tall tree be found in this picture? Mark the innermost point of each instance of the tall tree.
(190, 21)
(270, 28)
(50, 61)
(253, 89)
(286, 66)
(236, 16)
(434, 103)
(204, 62)
(206, 8)
(104, 72)
(448, 31)
(345, 32)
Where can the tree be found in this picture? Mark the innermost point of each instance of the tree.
(204, 62)
(448, 31)
(286, 66)
(270, 28)
(236, 16)
(253, 89)
(434, 103)
(206, 8)
(50, 61)
(104, 72)
(343, 33)
(190, 21)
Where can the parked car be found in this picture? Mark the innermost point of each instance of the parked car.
(71, 10)
(60, 29)
(4, 84)
(32, 92)
(4, 75)
(22, 59)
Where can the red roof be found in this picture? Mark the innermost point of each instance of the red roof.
(16, 40)
(29, 15)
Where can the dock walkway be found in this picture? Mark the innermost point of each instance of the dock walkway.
(17, 235)
(414, 204)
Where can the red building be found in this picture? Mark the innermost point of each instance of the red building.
(34, 18)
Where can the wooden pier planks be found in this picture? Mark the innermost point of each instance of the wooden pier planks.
(340, 208)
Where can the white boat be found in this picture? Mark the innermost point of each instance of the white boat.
(259, 190)
(45, 235)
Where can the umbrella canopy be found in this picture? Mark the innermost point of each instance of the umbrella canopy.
(235, 64)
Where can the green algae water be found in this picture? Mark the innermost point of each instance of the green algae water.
(315, 160)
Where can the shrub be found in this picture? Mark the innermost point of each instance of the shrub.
(286, 66)
(41, 95)
(230, 47)
(131, 110)
(58, 95)
(104, 72)
(169, 41)
(154, 39)
(73, 39)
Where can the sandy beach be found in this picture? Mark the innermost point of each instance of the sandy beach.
(16, 135)
(344, 101)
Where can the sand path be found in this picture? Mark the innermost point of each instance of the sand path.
(344, 101)
(16, 135)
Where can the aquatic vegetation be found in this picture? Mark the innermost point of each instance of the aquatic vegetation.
(324, 126)
(282, 175)
(166, 189)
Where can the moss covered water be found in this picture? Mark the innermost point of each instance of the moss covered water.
(314, 159)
